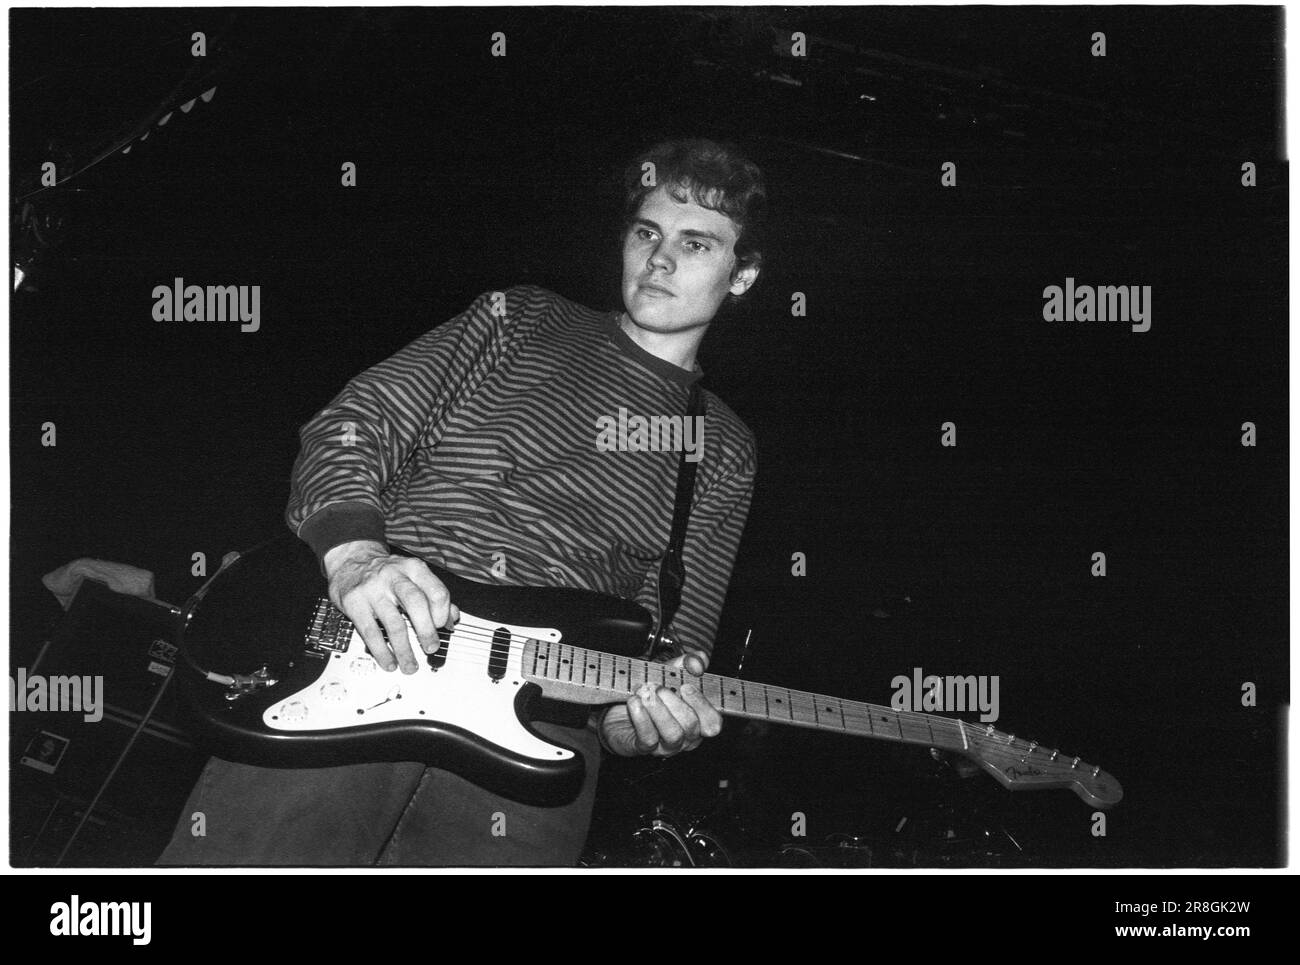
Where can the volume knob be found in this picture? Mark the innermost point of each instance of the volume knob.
(294, 710)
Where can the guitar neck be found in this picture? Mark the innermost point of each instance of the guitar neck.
(583, 676)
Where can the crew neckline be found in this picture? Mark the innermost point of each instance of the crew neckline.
(647, 359)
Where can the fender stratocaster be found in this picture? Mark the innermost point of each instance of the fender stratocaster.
(279, 677)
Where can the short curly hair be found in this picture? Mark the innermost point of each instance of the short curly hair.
(713, 175)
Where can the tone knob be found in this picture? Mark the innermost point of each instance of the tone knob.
(333, 692)
(294, 710)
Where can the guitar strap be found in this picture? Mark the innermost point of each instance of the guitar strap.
(672, 570)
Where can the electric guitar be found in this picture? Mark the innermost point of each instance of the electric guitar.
(279, 677)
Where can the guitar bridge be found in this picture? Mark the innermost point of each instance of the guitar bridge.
(329, 632)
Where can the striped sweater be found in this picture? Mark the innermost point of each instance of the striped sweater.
(476, 447)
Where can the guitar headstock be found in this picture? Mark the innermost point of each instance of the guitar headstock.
(1021, 765)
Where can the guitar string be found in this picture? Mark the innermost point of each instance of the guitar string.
(857, 712)
(473, 654)
(866, 727)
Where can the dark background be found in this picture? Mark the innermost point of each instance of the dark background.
(924, 306)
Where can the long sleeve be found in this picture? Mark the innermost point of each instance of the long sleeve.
(353, 448)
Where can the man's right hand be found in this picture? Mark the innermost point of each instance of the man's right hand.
(374, 588)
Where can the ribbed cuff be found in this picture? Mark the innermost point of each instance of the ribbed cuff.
(341, 523)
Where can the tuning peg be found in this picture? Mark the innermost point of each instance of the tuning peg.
(1074, 763)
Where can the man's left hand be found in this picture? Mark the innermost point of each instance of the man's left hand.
(657, 721)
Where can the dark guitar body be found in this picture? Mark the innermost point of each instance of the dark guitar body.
(256, 612)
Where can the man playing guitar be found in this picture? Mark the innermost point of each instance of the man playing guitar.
(475, 447)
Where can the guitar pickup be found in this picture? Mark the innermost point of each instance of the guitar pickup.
(438, 659)
(500, 655)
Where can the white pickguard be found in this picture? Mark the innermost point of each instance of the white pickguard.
(459, 693)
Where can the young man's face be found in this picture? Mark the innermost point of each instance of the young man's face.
(679, 264)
